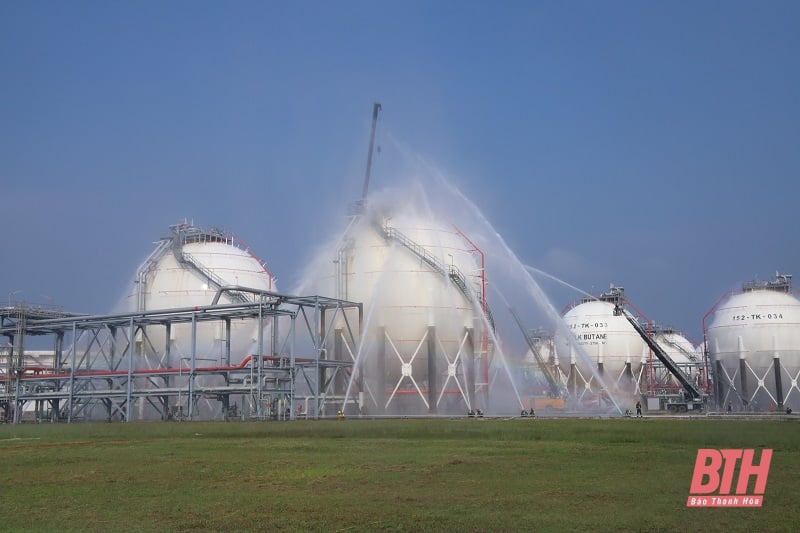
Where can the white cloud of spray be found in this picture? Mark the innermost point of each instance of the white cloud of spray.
(417, 189)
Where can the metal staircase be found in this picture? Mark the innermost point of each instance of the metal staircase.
(691, 356)
(451, 271)
(144, 272)
(188, 259)
(184, 234)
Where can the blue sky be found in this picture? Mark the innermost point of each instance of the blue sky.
(652, 145)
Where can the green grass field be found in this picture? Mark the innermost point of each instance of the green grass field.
(385, 475)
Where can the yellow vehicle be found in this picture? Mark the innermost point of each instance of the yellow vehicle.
(543, 403)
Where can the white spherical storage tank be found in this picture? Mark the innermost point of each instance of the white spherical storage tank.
(677, 347)
(753, 340)
(682, 352)
(544, 345)
(419, 281)
(186, 270)
(610, 344)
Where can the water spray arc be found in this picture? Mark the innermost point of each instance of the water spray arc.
(552, 382)
(428, 336)
(420, 333)
(535, 292)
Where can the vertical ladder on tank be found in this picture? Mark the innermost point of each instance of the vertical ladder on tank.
(451, 271)
(143, 272)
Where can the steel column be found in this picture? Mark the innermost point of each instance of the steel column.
(292, 358)
(260, 363)
(718, 384)
(129, 388)
(470, 367)
(432, 369)
(227, 354)
(380, 370)
(192, 366)
(72, 373)
(743, 379)
(776, 363)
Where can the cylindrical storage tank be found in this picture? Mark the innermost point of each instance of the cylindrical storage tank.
(610, 344)
(186, 270)
(419, 282)
(753, 340)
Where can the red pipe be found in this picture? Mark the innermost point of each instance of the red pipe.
(150, 371)
(484, 303)
(706, 381)
(254, 256)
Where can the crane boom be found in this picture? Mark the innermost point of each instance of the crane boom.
(375, 108)
(555, 390)
(660, 353)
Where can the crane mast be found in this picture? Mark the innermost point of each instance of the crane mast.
(376, 107)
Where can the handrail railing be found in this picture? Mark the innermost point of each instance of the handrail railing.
(451, 271)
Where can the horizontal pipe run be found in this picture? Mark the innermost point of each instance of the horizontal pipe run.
(148, 371)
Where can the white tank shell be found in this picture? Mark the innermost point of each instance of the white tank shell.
(545, 349)
(173, 285)
(755, 326)
(404, 296)
(407, 294)
(678, 347)
(170, 284)
(604, 337)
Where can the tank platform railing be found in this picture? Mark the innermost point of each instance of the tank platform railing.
(781, 283)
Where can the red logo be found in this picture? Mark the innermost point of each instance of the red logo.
(715, 476)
